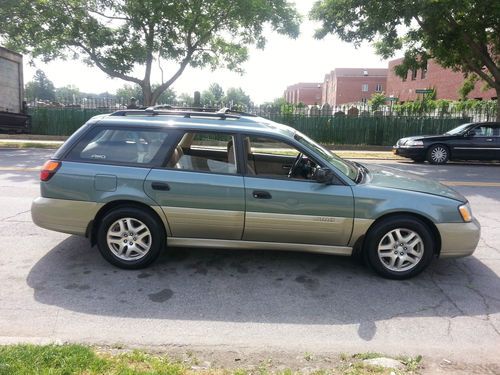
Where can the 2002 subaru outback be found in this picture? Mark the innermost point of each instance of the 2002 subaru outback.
(137, 180)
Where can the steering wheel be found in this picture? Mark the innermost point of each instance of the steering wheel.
(295, 165)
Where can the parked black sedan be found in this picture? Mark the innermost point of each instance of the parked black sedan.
(474, 141)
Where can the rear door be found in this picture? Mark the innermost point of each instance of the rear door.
(200, 188)
(481, 144)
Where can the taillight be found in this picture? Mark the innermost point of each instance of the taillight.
(49, 169)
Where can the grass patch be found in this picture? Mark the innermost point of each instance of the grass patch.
(29, 145)
(79, 359)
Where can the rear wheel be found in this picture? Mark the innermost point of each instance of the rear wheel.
(399, 247)
(130, 238)
(438, 154)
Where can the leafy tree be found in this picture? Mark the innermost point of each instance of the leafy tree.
(185, 99)
(377, 100)
(458, 34)
(119, 36)
(237, 98)
(208, 98)
(67, 93)
(216, 90)
(213, 96)
(40, 87)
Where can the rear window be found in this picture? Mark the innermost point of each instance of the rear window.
(123, 146)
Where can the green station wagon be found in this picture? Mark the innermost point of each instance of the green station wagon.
(137, 181)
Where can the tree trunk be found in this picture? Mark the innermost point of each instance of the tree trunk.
(147, 95)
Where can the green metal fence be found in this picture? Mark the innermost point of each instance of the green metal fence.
(58, 121)
(371, 130)
(384, 131)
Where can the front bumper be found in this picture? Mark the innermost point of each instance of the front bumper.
(409, 152)
(62, 215)
(459, 239)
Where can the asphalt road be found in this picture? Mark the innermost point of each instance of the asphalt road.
(55, 287)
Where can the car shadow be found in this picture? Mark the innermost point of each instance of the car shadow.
(258, 286)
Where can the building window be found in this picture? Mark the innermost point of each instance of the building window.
(405, 77)
(378, 87)
(364, 87)
(413, 74)
(424, 71)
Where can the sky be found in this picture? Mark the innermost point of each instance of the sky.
(268, 72)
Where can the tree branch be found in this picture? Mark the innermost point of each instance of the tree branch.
(93, 56)
(481, 51)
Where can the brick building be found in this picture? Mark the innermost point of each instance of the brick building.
(445, 81)
(350, 85)
(307, 93)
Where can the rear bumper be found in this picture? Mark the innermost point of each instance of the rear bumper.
(409, 152)
(62, 215)
(459, 239)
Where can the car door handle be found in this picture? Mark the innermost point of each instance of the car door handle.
(156, 185)
(489, 139)
(260, 194)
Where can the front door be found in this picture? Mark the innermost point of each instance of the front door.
(284, 203)
(200, 188)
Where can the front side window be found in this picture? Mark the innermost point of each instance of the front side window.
(484, 131)
(346, 167)
(268, 157)
(127, 146)
(205, 152)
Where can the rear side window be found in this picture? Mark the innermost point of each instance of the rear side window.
(122, 146)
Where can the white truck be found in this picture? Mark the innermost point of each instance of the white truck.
(13, 116)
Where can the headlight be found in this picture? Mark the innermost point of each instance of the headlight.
(465, 212)
(415, 144)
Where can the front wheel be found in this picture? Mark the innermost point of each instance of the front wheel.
(399, 247)
(130, 238)
(438, 154)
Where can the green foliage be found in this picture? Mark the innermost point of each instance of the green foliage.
(185, 99)
(213, 96)
(459, 34)
(236, 98)
(66, 93)
(377, 100)
(118, 36)
(40, 88)
(467, 86)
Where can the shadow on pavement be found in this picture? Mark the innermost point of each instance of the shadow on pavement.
(258, 286)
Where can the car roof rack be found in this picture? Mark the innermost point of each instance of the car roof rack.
(166, 109)
(176, 111)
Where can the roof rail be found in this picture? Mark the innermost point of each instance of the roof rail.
(187, 114)
(228, 110)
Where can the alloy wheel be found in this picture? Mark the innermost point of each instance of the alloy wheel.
(439, 154)
(129, 239)
(400, 249)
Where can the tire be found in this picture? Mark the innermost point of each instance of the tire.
(438, 154)
(401, 262)
(130, 237)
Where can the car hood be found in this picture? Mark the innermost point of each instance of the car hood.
(403, 141)
(394, 178)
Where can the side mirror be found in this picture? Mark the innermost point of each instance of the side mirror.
(471, 133)
(324, 176)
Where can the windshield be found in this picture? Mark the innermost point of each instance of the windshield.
(346, 167)
(458, 130)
